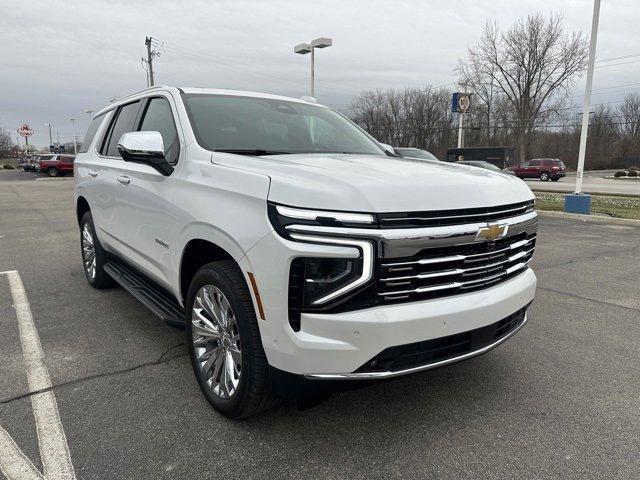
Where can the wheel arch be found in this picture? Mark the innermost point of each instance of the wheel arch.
(82, 207)
(196, 253)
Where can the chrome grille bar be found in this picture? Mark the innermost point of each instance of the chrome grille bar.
(454, 258)
(452, 285)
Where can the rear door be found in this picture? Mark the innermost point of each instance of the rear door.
(534, 168)
(105, 170)
(148, 224)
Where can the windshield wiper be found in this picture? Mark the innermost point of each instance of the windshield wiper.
(257, 152)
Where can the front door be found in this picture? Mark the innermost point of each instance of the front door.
(148, 225)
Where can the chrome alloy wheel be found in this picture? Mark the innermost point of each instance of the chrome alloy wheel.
(88, 251)
(216, 342)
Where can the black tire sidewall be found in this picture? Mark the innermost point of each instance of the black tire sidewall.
(212, 274)
(101, 279)
(53, 172)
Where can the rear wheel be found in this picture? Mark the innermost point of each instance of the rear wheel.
(544, 176)
(224, 342)
(53, 172)
(94, 257)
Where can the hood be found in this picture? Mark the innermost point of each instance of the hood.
(372, 183)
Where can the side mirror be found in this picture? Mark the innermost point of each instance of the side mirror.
(145, 147)
(388, 148)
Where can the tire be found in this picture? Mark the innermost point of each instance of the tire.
(544, 176)
(215, 342)
(94, 271)
(53, 171)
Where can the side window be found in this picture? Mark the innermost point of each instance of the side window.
(158, 118)
(524, 165)
(534, 163)
(91, 132)
(123, 123)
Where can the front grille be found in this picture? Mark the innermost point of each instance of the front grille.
(438, 272)
(437, 218)
(417, 354)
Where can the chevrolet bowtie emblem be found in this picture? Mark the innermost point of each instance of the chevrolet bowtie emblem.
(492, 232)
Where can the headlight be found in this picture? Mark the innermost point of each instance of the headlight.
(318, 283)
(281, 216)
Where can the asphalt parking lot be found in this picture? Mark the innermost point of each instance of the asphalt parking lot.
(559, 400)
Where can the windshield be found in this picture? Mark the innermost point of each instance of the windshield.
(489, 166)
(416, 153)
(261, 126)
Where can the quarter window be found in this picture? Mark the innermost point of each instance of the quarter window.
(158, 118)
(123, 124)
(91, 132)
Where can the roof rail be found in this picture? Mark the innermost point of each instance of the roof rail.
(138, 92)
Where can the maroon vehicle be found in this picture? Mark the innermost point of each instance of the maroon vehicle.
(56, 165)
(542, 168)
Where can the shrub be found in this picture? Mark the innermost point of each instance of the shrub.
(633, 173)
(620, 173)
(8, 167)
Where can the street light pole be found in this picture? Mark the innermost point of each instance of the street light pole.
(75, 144)
(305, 48)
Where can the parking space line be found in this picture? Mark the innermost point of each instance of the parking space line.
(13, 463)
(54, 450)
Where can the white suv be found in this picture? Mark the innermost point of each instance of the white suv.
(294, 249)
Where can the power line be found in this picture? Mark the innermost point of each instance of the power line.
(618, 58)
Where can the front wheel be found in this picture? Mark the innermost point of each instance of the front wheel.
(224, 342)
(94, 257)
(544, 176)
(53, 172)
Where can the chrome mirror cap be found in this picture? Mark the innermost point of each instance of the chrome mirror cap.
(141, 144)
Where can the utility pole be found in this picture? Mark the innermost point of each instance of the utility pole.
(75, 143)
(150, 55)
(578, 202)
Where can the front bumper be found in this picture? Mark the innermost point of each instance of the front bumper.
(335, 344)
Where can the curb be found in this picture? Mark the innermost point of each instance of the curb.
(589, 218)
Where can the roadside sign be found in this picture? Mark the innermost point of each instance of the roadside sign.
(460, 102)
(24, 130)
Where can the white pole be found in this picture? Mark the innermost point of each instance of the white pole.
(587, 95)
(75, 145)
(313, 72)
(460, 132)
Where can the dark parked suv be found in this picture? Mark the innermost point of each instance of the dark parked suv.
(542, 168)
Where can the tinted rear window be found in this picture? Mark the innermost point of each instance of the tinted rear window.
(91, 133)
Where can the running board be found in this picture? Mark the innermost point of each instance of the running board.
(152, 296)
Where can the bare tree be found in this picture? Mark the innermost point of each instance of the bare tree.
(630, 125)
(529, 64)
(5, 142)
(416, 117)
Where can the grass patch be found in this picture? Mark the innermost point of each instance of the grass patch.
(612, 206)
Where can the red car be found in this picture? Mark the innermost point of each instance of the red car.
(56, 165)
(542, 168)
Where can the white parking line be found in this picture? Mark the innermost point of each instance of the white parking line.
(54, 450)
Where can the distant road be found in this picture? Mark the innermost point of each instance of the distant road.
(593, 182)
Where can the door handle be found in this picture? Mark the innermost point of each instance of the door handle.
(93, 173)
(124, 180)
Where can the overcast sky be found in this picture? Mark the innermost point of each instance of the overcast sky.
(60, 58)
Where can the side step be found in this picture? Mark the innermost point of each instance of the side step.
(152, 296)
